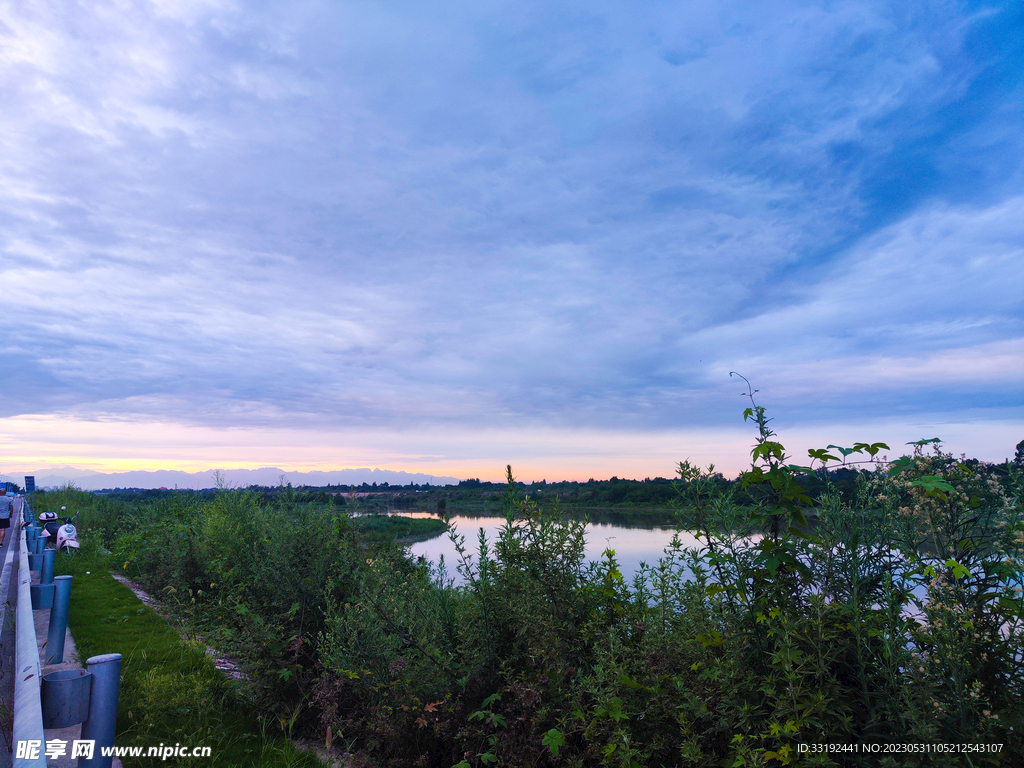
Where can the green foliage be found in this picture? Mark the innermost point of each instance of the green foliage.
(888, 614)
(854, 600)
(170, 689)
(252, 580)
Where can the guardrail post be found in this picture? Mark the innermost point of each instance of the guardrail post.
(42, 596)
(106, 685)
(54, 653)
(46, 574)
(65, 697)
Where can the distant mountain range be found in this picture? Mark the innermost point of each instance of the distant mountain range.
(234, 478)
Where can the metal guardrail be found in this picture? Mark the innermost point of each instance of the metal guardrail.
(60, 699)
(28, 710)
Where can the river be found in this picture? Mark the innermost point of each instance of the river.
(632, 545)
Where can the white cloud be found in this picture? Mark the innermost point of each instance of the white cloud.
(938, 279)
(348, 216)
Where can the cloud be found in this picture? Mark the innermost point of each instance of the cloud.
(529, 216)
(931, 303)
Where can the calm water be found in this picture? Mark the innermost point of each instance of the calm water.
(632, 545)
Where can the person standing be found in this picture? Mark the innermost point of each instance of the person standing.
(5, 519)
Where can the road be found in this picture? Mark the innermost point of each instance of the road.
(8, 577)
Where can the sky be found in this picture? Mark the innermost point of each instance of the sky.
(447, 237)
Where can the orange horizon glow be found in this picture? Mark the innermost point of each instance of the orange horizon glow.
(36, 444)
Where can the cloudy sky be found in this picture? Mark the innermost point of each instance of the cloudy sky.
(443, 237)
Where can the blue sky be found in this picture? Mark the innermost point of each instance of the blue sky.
(446, 237)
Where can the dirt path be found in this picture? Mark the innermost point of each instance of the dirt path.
(225, 664)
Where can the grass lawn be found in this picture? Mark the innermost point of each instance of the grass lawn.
(170, 690)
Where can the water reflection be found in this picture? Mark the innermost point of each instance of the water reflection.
(632, 545)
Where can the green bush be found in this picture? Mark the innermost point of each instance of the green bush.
(887, 611)
(889, 616)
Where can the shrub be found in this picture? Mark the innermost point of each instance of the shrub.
(883, 612)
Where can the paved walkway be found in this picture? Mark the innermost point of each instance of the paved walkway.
(69, 734)
(71, 661)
